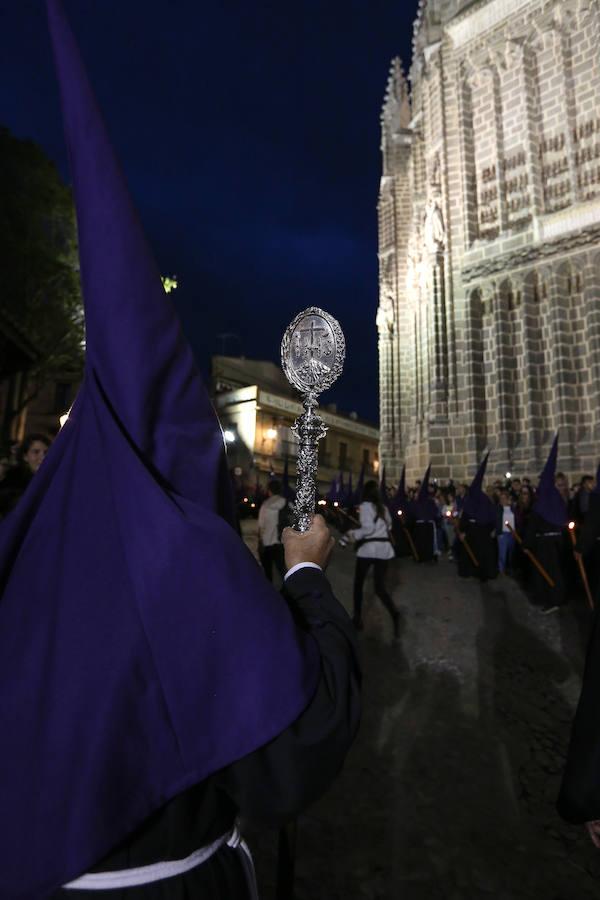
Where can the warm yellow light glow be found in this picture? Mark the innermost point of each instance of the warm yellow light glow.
(169, 283)
(271, 433)
(376, 465)
(253, 506)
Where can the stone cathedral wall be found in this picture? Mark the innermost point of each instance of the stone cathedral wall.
(489, 318)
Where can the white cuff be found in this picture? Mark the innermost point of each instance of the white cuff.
(304, 565)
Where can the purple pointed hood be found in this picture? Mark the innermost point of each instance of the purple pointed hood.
(424, 506)
(359, 486)
(141, 648)
(332, 493)
(477, 504)
(349, 493)
(549, 504)
(400, 499)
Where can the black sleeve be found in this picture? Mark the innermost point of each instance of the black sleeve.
(591, 528)
(579, 799)
(279, 780)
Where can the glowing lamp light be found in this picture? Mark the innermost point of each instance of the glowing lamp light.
(399, 512)
(335, 503)
(509, 475)
(229, 436)
(322, 503)
(271, 433)
(571, 526)
(448, 514)
(253, 506)
(245, 499)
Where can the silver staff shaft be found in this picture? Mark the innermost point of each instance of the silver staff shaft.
(309, 428)
(313, 350)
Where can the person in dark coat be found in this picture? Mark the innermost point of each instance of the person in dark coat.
(398, 507)
(547, 538)
(153, 684)
(579, 797)
(477, 526)
(588, 540)
(424, 516)
(32, 453)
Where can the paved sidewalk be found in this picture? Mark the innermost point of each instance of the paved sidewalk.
(450, 788)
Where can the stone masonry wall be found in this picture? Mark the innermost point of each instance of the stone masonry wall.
(489, 315)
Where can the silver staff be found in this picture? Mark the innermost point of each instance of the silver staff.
(313, 350)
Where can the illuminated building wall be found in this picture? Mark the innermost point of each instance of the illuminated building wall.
(489, 240)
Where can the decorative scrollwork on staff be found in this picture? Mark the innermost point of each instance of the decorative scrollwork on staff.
(313, 351)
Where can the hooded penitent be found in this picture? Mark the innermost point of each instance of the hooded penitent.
(141, 648)
(424, 507)
(549, 504)
(357, 497)
(477, 504)
(400, 500)
(349, 492)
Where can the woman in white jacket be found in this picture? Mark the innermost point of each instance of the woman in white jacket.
(374, 548)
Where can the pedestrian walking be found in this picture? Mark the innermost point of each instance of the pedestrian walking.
(272, 520)
(505, 527)
(374, 549)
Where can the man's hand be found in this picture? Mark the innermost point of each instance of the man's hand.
(594, 832)
(314, 546)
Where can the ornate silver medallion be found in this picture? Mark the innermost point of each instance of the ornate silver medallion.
(313, 350)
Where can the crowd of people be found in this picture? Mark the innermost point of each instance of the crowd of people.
(545, 533)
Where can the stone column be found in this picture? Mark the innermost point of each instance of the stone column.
(387, 387)
(591, 288)
(557, 352)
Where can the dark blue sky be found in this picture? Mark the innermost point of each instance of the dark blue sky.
(249, 133)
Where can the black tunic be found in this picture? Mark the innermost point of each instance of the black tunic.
(548, 543)
(484, 546)
(579, 798)
(423, 534)
(588, 544)
(271, 785)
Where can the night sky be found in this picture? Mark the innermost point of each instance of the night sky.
(249, 134)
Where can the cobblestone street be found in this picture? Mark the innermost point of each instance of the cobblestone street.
(449, 791)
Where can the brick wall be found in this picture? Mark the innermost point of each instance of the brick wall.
(489, 315)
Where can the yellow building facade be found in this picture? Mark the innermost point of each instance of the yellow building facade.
(257, 408)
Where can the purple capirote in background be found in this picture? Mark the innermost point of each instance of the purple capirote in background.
(549, 504)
